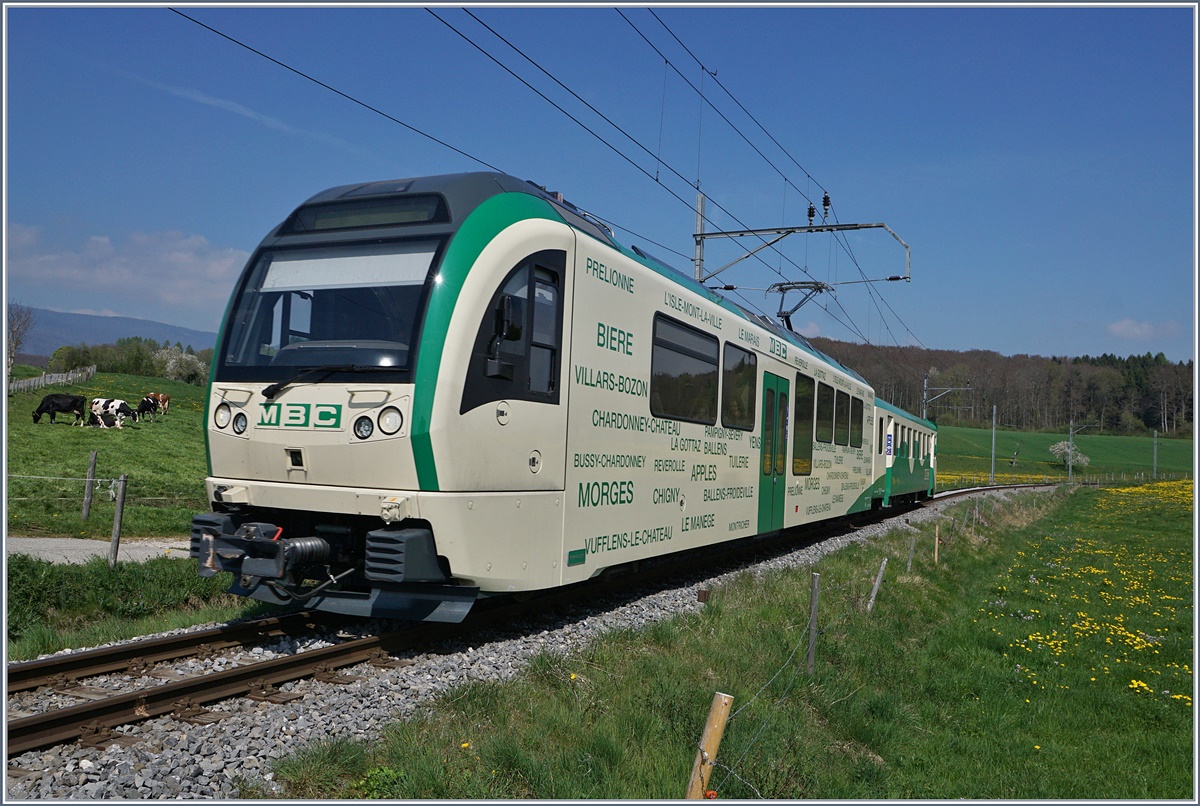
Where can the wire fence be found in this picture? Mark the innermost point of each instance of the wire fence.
(851, 599)
(955, 481)
(52, 379)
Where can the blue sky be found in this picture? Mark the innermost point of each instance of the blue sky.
(1040, 162)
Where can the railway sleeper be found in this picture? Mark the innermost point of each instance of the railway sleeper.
(95, 734)
(188, 710)
(263, 691)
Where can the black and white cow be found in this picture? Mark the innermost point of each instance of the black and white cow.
(103, 420)
(118, 409)
(61, 404)
(147, 408)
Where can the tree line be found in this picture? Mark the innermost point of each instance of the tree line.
(135, 355)
(1131, 395)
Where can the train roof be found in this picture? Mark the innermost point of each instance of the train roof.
(902, 414)
(463, 192)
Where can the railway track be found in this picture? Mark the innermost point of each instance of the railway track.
(93, 722)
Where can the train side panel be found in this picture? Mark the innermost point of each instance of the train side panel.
(682, 426)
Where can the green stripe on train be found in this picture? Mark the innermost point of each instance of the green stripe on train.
(486, 222)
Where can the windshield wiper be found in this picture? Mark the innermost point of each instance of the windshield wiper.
(324, 372)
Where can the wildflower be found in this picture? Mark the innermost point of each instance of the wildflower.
(711, 794)
(1037, 747)
(466, 745)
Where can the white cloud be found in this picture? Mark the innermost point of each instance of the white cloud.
(1143, 331)
(163, 276)
(810, 330)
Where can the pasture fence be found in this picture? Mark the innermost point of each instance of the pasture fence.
(81, 375)
(851, 598)
(41, 504)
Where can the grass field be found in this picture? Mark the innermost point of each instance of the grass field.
(165, 461)
(965, 457)
(1046, 655)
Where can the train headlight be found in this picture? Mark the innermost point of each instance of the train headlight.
(239, 423)
(222, 415)
(363, 427)
(390, 420)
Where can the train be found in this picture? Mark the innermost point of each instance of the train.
(433, 390)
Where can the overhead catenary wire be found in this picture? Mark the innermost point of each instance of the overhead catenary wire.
(657, 157)
(837, 236)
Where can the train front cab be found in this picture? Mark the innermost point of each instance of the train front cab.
(905, 461)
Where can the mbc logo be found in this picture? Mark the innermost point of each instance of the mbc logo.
(300, 415)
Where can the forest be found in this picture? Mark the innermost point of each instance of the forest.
(1133, 395)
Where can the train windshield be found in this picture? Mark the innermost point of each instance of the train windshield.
(355, 306)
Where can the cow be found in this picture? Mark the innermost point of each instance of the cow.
(164, 401)
(146, 408)
(103, 420)
(115, 407)
(59, 403)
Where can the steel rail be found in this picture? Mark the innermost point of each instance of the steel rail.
(29, 675)
(181, 697)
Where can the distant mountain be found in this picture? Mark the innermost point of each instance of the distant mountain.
(54, 329)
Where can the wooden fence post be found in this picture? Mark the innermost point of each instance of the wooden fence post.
(710, 740)
(812, 621)
(878, 582)
(116, 530)
(936, 540)
(91, 481)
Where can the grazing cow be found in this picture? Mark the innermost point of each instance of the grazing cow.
(146, 408)
(164, 401)
(59, 403)
(119, 410)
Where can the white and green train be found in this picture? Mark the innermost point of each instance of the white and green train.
(435, 389)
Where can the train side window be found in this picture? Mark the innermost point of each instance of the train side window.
(684, 365)
(739, 386)
(802, 447)
(879, 446)
(856, 422)
(841, 434)
(519, 341)
(782, 439)
(824, 412)
(543, 351)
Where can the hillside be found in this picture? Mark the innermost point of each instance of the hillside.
(54, 329)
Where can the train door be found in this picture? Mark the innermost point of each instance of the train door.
(773, 436)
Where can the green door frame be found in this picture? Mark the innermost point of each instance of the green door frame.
(773, 438)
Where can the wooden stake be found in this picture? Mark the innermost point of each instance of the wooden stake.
(936, 540)
(812, 622)
(116, 530)
(878, 581)
(87, 491)
(710, 740)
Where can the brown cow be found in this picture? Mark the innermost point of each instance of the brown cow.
(164, 401)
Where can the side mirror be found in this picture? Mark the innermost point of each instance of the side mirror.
(506, 329)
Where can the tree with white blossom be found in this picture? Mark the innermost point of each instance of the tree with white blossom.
(1063, 452)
